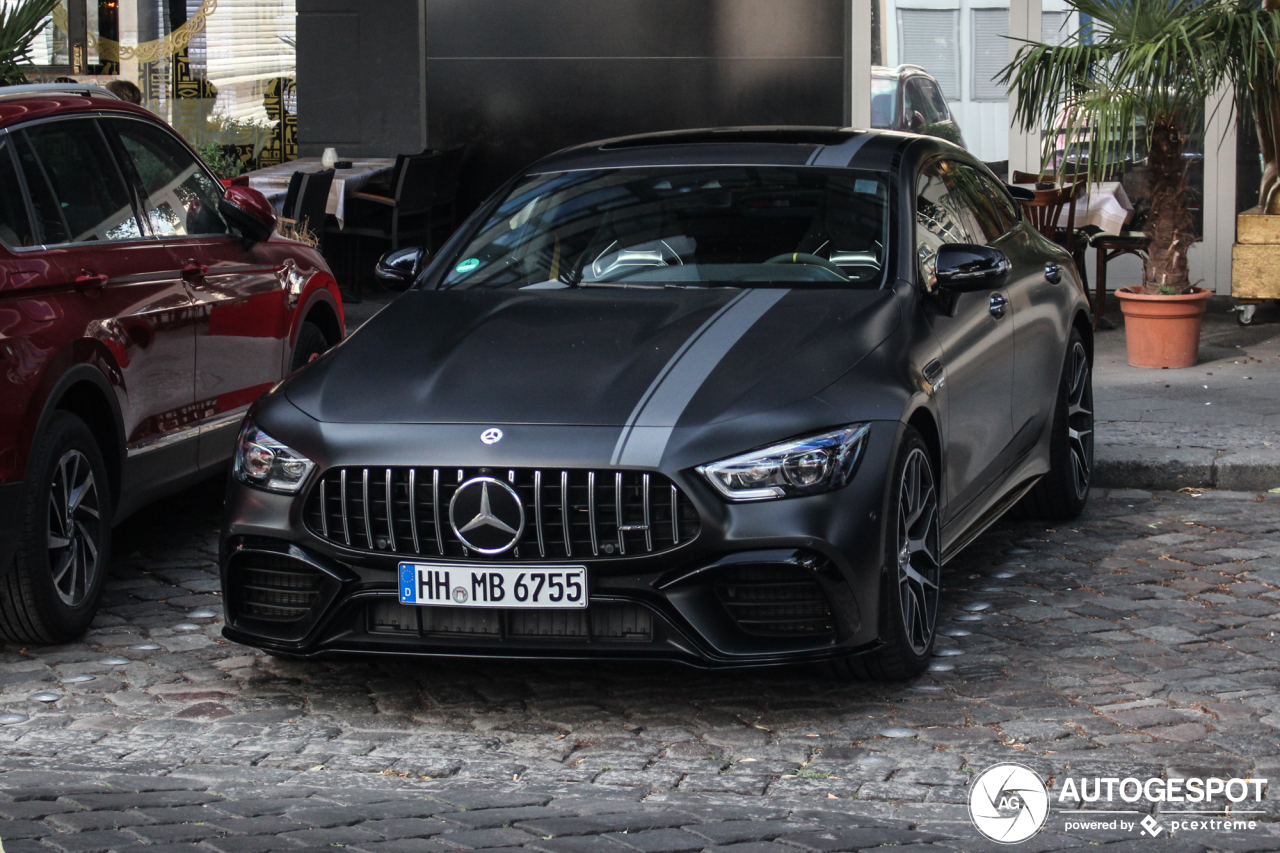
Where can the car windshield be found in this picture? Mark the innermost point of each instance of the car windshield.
(740, 226)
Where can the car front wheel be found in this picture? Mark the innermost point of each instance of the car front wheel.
(53, 591)
(911, 582)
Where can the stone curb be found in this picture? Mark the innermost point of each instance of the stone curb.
(1170, 468)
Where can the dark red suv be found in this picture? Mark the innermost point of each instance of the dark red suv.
(142, 309)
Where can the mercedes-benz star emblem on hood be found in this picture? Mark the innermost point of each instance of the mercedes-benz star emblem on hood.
(486, 515)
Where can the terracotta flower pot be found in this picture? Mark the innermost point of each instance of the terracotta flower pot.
(1162, 331)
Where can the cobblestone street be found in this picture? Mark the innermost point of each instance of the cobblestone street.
(1140, 641)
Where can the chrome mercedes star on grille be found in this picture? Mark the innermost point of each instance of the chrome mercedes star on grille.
(494, 527)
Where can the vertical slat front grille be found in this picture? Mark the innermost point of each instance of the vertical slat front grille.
(569, 514)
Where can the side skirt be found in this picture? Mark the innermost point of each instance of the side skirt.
(988, 518)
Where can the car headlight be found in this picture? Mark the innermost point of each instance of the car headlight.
(266, 463)
(803, 466)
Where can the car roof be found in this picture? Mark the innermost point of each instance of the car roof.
(26, 104)
(728, 146)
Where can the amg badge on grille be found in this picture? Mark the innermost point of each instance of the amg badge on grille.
(487, 515)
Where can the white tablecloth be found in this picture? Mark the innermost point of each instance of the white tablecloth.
(1104, 205)
(273, 181)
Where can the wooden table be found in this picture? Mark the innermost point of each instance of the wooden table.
(273, 181)
(1105, 205)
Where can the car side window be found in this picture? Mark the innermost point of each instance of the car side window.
(913, 101)
(15, 223)
(936, 105)
(989, 222)
(92, 201)
(179, 197)
(942, 215)
(995, 195)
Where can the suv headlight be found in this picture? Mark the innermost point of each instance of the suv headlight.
(266, 463)
(803, 466)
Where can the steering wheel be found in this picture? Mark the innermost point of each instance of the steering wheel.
(806, 258)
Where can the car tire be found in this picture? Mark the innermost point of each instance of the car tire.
(910, 584)
(64, 542)
(311, 343)
(1063, 492)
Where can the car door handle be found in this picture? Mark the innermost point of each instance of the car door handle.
(90, 281)
(998, 304)
(194, 270)
(1052, 273)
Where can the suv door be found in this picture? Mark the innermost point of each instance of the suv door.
(241, 317)
(976, 391)
(120, 287)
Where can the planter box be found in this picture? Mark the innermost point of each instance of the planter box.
(1255, 258)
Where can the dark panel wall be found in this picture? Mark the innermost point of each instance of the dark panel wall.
(518, 79)
(358, 77)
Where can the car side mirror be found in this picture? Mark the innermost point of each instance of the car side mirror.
(249, 212)
(964, 268)
(917, 120)
(398, 269)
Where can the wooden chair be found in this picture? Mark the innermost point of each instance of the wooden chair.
(1109, 247)
(305, 207)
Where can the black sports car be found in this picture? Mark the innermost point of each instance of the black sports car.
(725, 397)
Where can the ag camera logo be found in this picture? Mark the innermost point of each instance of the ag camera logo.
(1008, 803)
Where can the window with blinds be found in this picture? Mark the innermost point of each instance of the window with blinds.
(1053, 27)
(990, 53)
(929, 38)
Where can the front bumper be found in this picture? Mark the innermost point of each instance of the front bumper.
(289, 590)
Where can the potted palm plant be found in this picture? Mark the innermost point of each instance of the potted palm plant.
(1137, 75)
(20, 23)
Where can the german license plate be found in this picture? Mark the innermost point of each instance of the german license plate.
(544, 587)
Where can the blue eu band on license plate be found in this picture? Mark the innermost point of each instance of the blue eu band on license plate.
(540, 587)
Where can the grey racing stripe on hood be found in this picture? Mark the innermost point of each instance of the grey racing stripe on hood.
(644, 437)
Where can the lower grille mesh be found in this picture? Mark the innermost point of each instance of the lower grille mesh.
(611, 621)
(774, 600)
(273, 587)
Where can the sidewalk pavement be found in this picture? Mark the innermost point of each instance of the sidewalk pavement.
(1216, 425)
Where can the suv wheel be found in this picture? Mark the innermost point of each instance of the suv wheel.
(65, 541)
(311, 343)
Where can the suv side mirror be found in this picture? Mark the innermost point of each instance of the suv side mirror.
(249, 212)
(964, 268)
(399, 268)
(917, 120)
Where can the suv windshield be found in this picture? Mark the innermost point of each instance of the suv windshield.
(741, 226)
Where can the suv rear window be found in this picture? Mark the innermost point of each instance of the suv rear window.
(91, 194)
(15, 224)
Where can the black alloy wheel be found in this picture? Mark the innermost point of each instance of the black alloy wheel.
(1080, 418)
(919, 559)
(52, 591)
(1063, 492)
(912, 580)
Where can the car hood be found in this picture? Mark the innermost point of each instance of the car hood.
(658, 358)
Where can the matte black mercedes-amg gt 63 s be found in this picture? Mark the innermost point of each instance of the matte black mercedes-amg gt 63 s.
(723, 397)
